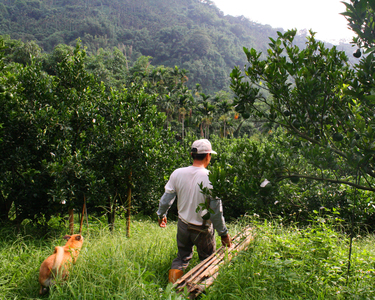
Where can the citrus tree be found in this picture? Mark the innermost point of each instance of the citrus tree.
(66, 137)
(314, 99)
(323, 106)
(360, 15)
(24, 182)
(45, 120)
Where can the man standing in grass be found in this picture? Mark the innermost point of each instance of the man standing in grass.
(193, 228)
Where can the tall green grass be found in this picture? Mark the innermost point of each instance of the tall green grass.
(294, 263)
(281, 263)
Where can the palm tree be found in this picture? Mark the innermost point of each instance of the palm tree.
(182, 112)
(206, 109)
(224, 107)
(168, 107)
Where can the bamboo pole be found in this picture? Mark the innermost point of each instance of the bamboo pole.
(129, 198)
(71, 220)
(83, 214)
(204, 274)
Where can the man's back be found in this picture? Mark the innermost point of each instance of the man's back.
(185, 183)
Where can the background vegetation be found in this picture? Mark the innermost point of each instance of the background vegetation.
(107, 126)
(194, 35)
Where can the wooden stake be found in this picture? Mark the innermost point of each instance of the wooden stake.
(71, 220)
(87, 218)
(129, 206)
(83, 214)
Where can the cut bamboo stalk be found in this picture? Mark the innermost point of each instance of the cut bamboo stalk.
(203, 275)
(83, 214)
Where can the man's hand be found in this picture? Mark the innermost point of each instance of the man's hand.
(163, 222)
(226, 240)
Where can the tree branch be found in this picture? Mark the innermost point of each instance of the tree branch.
(358, 186)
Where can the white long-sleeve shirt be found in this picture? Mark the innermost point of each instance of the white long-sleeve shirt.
(184, 183)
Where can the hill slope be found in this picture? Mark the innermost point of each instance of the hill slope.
(192, 34)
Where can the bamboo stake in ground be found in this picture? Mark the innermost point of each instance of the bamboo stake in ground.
(204, 274)
(83, 214)
(129, 198)
(71, 221)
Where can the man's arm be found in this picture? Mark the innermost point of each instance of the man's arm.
(217, 217)
(165, 203)
(218, 221)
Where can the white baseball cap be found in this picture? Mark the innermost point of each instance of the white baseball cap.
(202, 146)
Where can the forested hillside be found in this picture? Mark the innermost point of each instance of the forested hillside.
(192, 34)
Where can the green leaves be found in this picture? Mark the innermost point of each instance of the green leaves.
(67, 136)
(317, 99)
(361, 19)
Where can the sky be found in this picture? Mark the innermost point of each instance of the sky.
(322, 16)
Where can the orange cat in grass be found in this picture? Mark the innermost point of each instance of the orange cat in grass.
(59, 262)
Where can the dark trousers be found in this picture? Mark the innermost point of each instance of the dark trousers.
(187, 239)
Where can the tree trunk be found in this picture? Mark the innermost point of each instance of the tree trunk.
(83, 214)
(183, 129)
(71, 221)
(5, 205)
(236, 132)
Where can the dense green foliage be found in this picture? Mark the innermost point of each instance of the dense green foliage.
(243, 164)
(361, 16)
(78, 127)
(323, 109)
(71, 125)
(312, 100)
(67, 137)
(109, 128)
(192, 34)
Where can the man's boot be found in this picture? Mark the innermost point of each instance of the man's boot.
(174, 275)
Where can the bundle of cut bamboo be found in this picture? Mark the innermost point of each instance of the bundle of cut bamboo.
(204, 274)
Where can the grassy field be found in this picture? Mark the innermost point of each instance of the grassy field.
(281, 263)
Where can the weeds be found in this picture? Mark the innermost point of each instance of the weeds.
(281, 263)
(294, 263)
